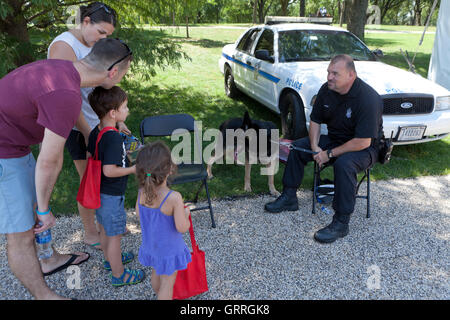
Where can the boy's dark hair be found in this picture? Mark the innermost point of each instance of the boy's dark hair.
(99, 12)
(103, 100)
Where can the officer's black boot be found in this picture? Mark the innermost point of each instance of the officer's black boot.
(335, 230)
(286, 202)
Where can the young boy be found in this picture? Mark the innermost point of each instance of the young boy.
(111, 107)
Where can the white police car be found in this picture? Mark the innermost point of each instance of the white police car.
(283, 66)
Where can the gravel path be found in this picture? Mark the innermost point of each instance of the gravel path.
(255, 255)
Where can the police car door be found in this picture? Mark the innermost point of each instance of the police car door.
(244, 67)
(264, 78)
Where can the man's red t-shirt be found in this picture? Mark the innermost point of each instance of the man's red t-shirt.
(39, 95)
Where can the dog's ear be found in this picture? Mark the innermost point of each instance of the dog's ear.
(246, 122)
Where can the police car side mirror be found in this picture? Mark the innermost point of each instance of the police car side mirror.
(264, 55)
(378, 53)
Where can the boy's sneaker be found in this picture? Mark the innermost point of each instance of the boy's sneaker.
(134, 277)
(127, 257)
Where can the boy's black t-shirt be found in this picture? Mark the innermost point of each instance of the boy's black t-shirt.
(111, 150)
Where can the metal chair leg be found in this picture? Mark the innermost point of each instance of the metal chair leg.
(209, 203)
(368, 193)
(316, 179)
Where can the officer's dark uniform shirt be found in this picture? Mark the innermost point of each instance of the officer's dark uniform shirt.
(356, 114)
(111, 150)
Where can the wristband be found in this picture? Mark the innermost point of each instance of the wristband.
(43, 213)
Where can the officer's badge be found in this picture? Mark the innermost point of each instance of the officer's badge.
(349, 113)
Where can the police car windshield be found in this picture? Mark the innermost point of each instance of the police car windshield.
(320, 45)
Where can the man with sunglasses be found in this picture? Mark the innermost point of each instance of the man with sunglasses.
(40, 103)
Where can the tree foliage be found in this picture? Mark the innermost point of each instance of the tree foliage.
(27, 27)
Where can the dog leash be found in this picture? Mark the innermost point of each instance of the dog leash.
(292, 147)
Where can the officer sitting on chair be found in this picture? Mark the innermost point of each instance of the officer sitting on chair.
(352, 111)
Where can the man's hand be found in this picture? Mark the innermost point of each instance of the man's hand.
(316, 149)
(187, 211)
(321, 158)
(47, 221)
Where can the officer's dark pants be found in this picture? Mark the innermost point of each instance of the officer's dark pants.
(345, 166)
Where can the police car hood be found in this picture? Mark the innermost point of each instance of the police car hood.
(385, 79)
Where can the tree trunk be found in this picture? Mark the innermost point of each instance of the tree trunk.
(187, 27)
(264, 12)
(342, 8)
(302, 8)
(261, 10)
(417, 13)
(255, 10)
(357, 17)
(15, 27)
(284, 6)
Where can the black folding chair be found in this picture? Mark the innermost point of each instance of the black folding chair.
(316, 181)
(165, 125)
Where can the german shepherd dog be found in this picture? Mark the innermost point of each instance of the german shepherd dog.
(245, 124)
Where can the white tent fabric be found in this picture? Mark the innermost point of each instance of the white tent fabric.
(439, 70)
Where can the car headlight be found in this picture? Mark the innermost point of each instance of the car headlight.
(442, 103)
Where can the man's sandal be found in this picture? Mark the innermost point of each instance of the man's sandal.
(127, 257)
(134, 277)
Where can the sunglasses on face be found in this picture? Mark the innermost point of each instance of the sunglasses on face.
(129, 53)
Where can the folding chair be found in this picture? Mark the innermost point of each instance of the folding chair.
(164, 125)
(316, 180)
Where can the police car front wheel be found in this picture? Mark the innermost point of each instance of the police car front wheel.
(230, 87)
(293, 122)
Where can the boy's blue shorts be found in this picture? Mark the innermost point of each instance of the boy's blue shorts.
(111, 214)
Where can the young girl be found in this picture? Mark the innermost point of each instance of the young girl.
(163, 219)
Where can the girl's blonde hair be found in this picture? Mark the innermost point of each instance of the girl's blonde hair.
(153, 165)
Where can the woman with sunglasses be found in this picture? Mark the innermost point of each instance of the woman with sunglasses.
(97, 21)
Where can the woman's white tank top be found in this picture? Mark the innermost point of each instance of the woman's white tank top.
(80, 52)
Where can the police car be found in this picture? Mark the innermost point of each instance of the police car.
(283, 66)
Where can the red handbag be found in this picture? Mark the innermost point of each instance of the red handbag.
(192, 281)
(89, 192)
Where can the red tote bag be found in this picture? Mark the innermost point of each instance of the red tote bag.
(192, 281)
(89, 192)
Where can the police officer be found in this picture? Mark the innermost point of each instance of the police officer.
(352, 111)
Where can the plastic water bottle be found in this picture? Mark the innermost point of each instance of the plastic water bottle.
(44, 244)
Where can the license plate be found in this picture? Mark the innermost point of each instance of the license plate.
(411, 133)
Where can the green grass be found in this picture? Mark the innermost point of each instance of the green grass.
(391, 43)
(197, 89)
(398, 28)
